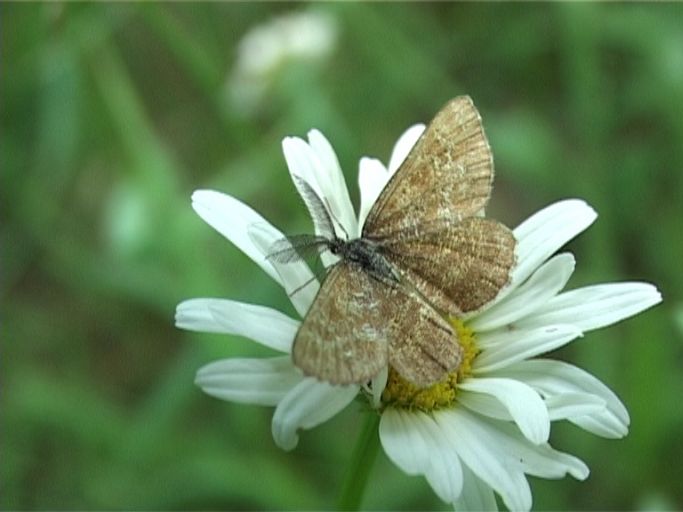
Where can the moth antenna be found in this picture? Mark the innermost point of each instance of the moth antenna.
(321, 216)
(296, 247)
(329, 209)
(299, 288)
(316, 275)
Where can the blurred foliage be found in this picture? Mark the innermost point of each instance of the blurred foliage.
(113, 113)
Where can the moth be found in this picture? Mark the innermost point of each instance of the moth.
(425, 254)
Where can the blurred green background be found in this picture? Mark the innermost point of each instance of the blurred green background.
(113, 114)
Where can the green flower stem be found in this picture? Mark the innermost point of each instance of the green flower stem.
(362, 459)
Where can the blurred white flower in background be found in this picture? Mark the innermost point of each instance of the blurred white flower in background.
(266, 49)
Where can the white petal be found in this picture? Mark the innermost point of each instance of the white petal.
(571, 405)
(558, 214)
(523, 403)
(403, 146)
(262, 324)
(557, 464)
(259, 323)
(316, 166)
(498, 454)
(304, 163)
(444, 471)
(556, 378)
(379, 382)
(332, 182)
(476, 495)
(603, 425)
(252, 381)
(542, 460)
(480, 447)
(301, 163)
(544, 284)
(402, 441)
(596, 306)
(308, 404)
(232, 218)
(544, 233)
(486, 405)
(505, 347)
(194, 315)
(296, 277)
(372, 177)
(560, 407)
(414, 442)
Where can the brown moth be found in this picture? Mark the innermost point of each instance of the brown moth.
(424, 254)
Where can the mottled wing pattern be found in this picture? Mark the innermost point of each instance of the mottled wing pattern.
(458, 267)
(357, 324)
(344, 337)
(447, 175)
(423, 347)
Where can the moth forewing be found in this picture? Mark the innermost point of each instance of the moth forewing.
(344, 336)
(423, 347)
(447, 175)
(459, 266)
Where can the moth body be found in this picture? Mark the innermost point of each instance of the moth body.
(367, 255)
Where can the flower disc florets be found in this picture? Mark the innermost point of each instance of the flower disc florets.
(403, 394)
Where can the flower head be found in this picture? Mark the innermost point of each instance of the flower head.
(485, 426)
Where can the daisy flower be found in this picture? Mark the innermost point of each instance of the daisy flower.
(486, 426)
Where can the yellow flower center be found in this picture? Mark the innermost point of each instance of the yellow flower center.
(401, 393)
